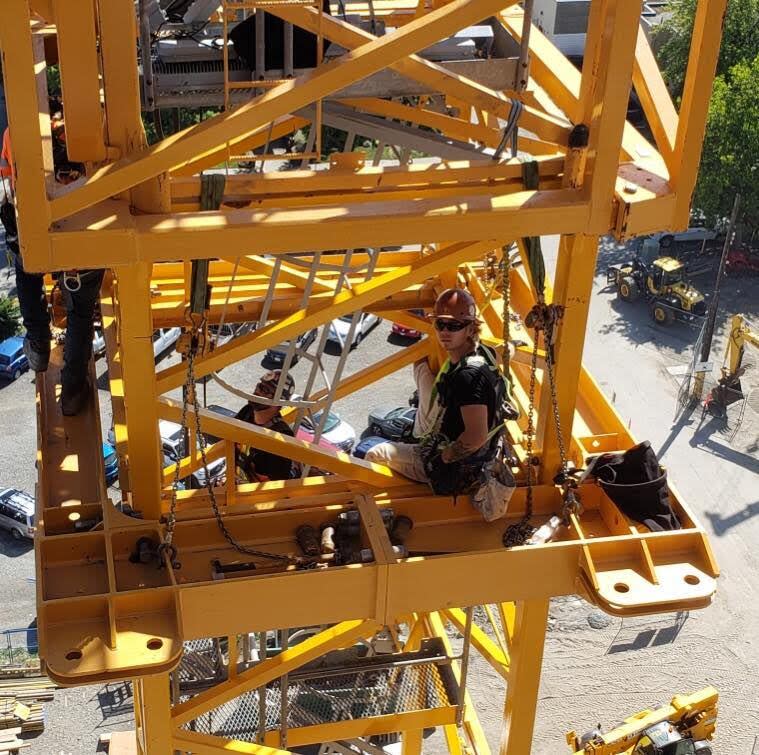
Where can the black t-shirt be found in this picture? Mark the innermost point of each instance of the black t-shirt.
(466, 385)
(254, 461)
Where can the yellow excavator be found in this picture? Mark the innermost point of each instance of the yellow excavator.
(729, 389)
(684, 727)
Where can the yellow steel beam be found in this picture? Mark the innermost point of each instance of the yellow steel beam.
(524, 677)
(139, 382)
(457, 128)
(152, 696)
(368, 375)
(248, 309)
(190, 464)
(339, 636)
(694, 109)
(24, 79)
(561, 80)
(281, 127)
(368, 179)
(199, 235)
(194, 142)
(124, 129)
(314, 315)
(44, 9)
(487, 648)
(286, 274)
(207, 744)
(364, 727)
(654, 97)
(548, 127)
(265, 439)
(573, 287)
(80, 79)
(471, 723)
(606, 96)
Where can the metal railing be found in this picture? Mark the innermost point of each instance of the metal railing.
(19, 648)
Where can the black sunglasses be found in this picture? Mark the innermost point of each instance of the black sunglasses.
(453, 325)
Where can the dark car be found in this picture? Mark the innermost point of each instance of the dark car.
(276, 357)
(13, 361)
(393, 424)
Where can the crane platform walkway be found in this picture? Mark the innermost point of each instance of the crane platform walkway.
(114, 616)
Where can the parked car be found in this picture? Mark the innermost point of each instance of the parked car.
(276, 357)
(395, 423)
(338, 329)
(406, 332)
(336, 432)
(164, 339)
(98, 343)
(13, 361)
(221, 334)
(17, 513)
(110, 463)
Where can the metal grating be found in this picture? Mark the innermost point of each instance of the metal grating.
(333, 698)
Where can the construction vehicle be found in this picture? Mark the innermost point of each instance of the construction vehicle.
(200, 597)
(684, 727)
(662, 283)
(729, 389)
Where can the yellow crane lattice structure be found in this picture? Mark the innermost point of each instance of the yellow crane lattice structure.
(582, 172)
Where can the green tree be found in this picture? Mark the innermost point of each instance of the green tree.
(740, 39)
(730, 160)
(10, 323)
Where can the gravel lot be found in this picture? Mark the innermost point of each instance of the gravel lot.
(596, 667)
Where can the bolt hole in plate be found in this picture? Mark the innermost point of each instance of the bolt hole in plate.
(692, 579)
(73, 655)
(154, 644)
(622, 587)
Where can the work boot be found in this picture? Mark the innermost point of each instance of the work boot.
(74, 397)
(38, 353)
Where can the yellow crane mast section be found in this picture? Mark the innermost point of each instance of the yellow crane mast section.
(582, 171)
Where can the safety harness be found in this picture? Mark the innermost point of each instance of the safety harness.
(469, 474)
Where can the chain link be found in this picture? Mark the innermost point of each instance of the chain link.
(167, 545)
(517, 534)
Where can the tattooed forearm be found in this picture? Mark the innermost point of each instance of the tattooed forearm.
(457, 450)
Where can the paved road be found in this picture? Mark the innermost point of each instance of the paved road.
(590, 674)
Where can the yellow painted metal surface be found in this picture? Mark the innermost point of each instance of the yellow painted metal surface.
(104, 615)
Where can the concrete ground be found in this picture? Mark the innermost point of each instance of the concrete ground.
(596, 668)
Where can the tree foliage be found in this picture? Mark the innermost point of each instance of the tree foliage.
(740, 39)
(730, 159)
(10, 323)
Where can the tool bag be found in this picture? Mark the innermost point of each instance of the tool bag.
(637, 484)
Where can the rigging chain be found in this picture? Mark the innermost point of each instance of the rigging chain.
(167, 550)
(543, 318)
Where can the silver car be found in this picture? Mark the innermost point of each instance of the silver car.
(17, 513)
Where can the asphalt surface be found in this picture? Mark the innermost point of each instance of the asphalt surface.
(596, 668)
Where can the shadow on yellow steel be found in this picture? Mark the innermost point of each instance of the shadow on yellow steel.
(103, 616)
(96, 621)
(106, 615)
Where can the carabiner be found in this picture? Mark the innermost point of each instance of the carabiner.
(72, 281)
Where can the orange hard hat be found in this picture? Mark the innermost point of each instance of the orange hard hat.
(455, 304)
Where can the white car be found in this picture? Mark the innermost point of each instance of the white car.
(338, 329)
(163, 340)
(172, 445)
(336, 432)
